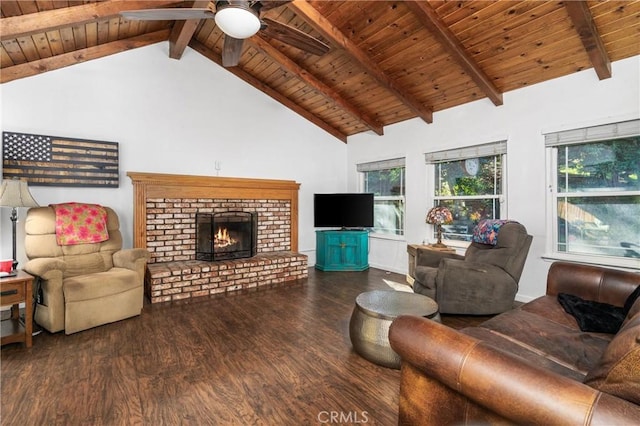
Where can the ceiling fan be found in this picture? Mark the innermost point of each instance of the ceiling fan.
(238, 20)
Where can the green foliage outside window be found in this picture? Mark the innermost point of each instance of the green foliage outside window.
(470, 195)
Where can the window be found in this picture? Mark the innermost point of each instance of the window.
(386, 180)
(469, 182)
(595, 190)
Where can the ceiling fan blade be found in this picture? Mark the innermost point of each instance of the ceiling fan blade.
(167, 14)
(231, 51)
(294, 37)
(268, 5)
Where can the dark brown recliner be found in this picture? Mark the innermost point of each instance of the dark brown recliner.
(482, 282)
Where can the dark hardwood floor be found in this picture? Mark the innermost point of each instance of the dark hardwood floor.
(279, 356)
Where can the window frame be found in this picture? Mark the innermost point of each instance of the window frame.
(393, 163)
(582, 136)
(492, 149)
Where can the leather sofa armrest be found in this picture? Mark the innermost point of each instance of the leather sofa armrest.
(432, 258)
(497, 381)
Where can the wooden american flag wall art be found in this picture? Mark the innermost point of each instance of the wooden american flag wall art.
(59, 161)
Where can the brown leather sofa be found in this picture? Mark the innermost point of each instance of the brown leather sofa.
(530, 365)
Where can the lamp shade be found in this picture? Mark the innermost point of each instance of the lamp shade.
(237, 20)
(439, 215)
(15, 193)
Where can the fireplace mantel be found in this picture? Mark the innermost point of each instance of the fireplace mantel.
(156, 185)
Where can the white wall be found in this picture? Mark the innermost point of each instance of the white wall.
(182, 116)
(574, 101)
(171, 117)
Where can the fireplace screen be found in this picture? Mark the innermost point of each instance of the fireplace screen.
(228, 235)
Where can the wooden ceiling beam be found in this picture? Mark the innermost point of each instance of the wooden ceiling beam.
(336, 37)
(585, 27)
(259, 85)
(41, 22)
(67, 59)
(430, 19)
(182, 32)
(330, 94)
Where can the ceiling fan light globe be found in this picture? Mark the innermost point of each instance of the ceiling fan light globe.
(237, 22)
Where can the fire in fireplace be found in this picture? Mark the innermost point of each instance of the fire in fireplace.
(226, 235)
(223, 239)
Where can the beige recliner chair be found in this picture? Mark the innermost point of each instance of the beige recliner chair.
(83, 285)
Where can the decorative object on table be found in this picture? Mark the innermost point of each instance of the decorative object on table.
(438, 216)
(60, 161)
(15, 193)
(6, 266)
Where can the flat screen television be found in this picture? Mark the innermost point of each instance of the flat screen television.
(343, 210)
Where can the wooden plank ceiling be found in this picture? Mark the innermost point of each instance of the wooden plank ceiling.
(388, 61)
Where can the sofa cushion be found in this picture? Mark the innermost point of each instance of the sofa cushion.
(618, 371)
(532, 355)
(546, 340)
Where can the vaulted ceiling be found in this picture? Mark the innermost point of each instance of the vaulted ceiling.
(388, 61)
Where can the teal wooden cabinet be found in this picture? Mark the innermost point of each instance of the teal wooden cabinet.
(342, 250)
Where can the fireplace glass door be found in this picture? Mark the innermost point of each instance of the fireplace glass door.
(227, 235)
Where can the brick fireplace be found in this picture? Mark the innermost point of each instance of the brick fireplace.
(165, 208)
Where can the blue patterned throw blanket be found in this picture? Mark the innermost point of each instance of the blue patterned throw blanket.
(486, 231)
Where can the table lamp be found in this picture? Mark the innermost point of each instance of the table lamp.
(437, 216)
(15, 193)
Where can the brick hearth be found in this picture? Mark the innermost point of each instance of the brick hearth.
(164, 224)
(193, 278)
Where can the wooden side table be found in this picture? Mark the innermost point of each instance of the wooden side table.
(412, 250)
(13, 291)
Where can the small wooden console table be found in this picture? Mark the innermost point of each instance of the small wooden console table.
(412, 250)
(13, 291)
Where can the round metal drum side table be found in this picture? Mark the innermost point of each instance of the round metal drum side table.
(373, 314)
